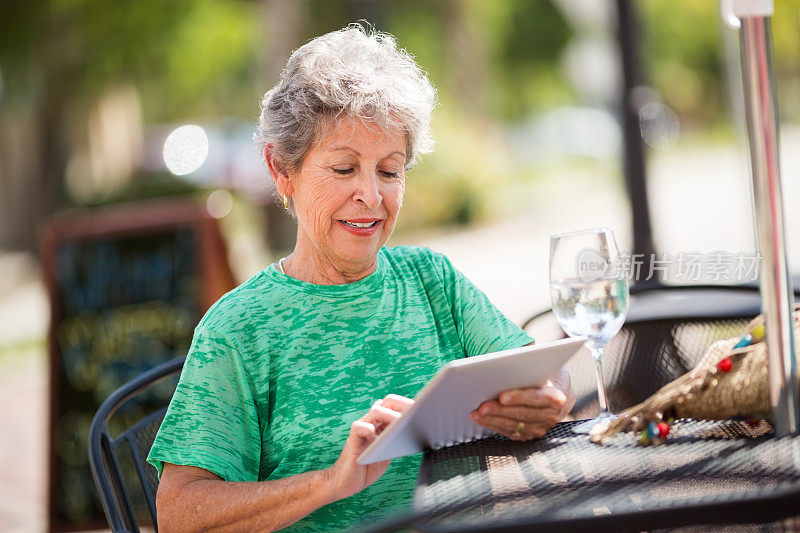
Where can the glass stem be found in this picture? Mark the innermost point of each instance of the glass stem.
(602, 396)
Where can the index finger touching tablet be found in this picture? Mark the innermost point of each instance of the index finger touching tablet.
(380, 416)
(397, 402)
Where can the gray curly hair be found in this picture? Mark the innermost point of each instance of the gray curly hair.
(356, 72)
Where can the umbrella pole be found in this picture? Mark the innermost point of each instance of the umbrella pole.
(633, 147)
(762, 128)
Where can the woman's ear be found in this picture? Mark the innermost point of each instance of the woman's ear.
(278, 172)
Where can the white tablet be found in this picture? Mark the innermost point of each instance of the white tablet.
(440, 415)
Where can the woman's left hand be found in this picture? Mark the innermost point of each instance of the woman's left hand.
(523, 414)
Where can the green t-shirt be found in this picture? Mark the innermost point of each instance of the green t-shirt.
(280, 368)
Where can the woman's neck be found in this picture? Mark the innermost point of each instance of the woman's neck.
(310, 265)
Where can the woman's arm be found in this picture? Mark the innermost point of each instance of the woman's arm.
(194, 499)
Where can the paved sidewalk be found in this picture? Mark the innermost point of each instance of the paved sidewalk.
(23, 447)
(24, 315)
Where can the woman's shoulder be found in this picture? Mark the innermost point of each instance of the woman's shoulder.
(238, 304)
(421, 255)
(419, 258)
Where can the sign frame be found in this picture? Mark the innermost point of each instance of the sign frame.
(214, 278)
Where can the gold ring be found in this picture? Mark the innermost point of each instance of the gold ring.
(520, 427)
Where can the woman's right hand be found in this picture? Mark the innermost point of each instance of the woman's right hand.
(346, 477)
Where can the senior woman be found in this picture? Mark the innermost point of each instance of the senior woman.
(291, 375)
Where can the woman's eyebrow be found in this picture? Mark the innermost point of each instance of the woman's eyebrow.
(340, 148)
(356, 152)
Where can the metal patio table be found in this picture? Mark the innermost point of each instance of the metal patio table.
(705, 473)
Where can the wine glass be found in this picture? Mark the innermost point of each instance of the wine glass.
(589, 293)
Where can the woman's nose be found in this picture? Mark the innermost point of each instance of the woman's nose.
(368, 192)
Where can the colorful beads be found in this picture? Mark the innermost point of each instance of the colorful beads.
(752, 422)
(654, 433)
(745, 341)
(758, 333)
(725, 364)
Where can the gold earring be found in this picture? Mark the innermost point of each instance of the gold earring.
(285, 202)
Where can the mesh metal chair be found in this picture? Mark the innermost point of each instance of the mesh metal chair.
(667, 331)
(126, 483)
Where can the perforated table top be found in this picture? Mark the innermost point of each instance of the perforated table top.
(706, 472)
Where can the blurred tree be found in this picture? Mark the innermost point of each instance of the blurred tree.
(465, 49)
(25, 125)
(786, 38)
(531, 36)
(497, 61)
(684, 53)
(286, 22)
(683, 48)
(57, 58)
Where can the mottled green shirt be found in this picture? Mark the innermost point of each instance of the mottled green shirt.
(280, 368)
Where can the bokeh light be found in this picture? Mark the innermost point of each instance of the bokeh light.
(185, 149)
(219, 203)
(659, 126)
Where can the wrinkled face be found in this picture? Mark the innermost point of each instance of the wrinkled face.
(348, 192)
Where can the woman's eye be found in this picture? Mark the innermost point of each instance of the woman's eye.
(343, 170)
(390, 174)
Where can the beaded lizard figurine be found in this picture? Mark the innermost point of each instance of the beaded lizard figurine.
(729, 381)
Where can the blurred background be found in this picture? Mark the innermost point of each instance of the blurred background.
(107, 103)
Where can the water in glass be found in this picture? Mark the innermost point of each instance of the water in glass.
(589, 296)
(595, 309)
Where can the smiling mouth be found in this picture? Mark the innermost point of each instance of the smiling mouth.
(361, 225)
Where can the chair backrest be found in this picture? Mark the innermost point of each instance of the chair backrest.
(667, 331)
(124, 479)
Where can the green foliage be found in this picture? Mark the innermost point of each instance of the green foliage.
(417, 27)
(211, 57)
(21, 84)
(200, 59)
(530, 43)
(114, 41)
(520, 41)
(786, 38)
(683, 56)
(330, 15)
(185, 57)
(459, 183)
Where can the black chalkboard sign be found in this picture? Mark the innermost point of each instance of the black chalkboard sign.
(127, 287)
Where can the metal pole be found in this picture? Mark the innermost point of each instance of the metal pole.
(634, 169)
(762, 127)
